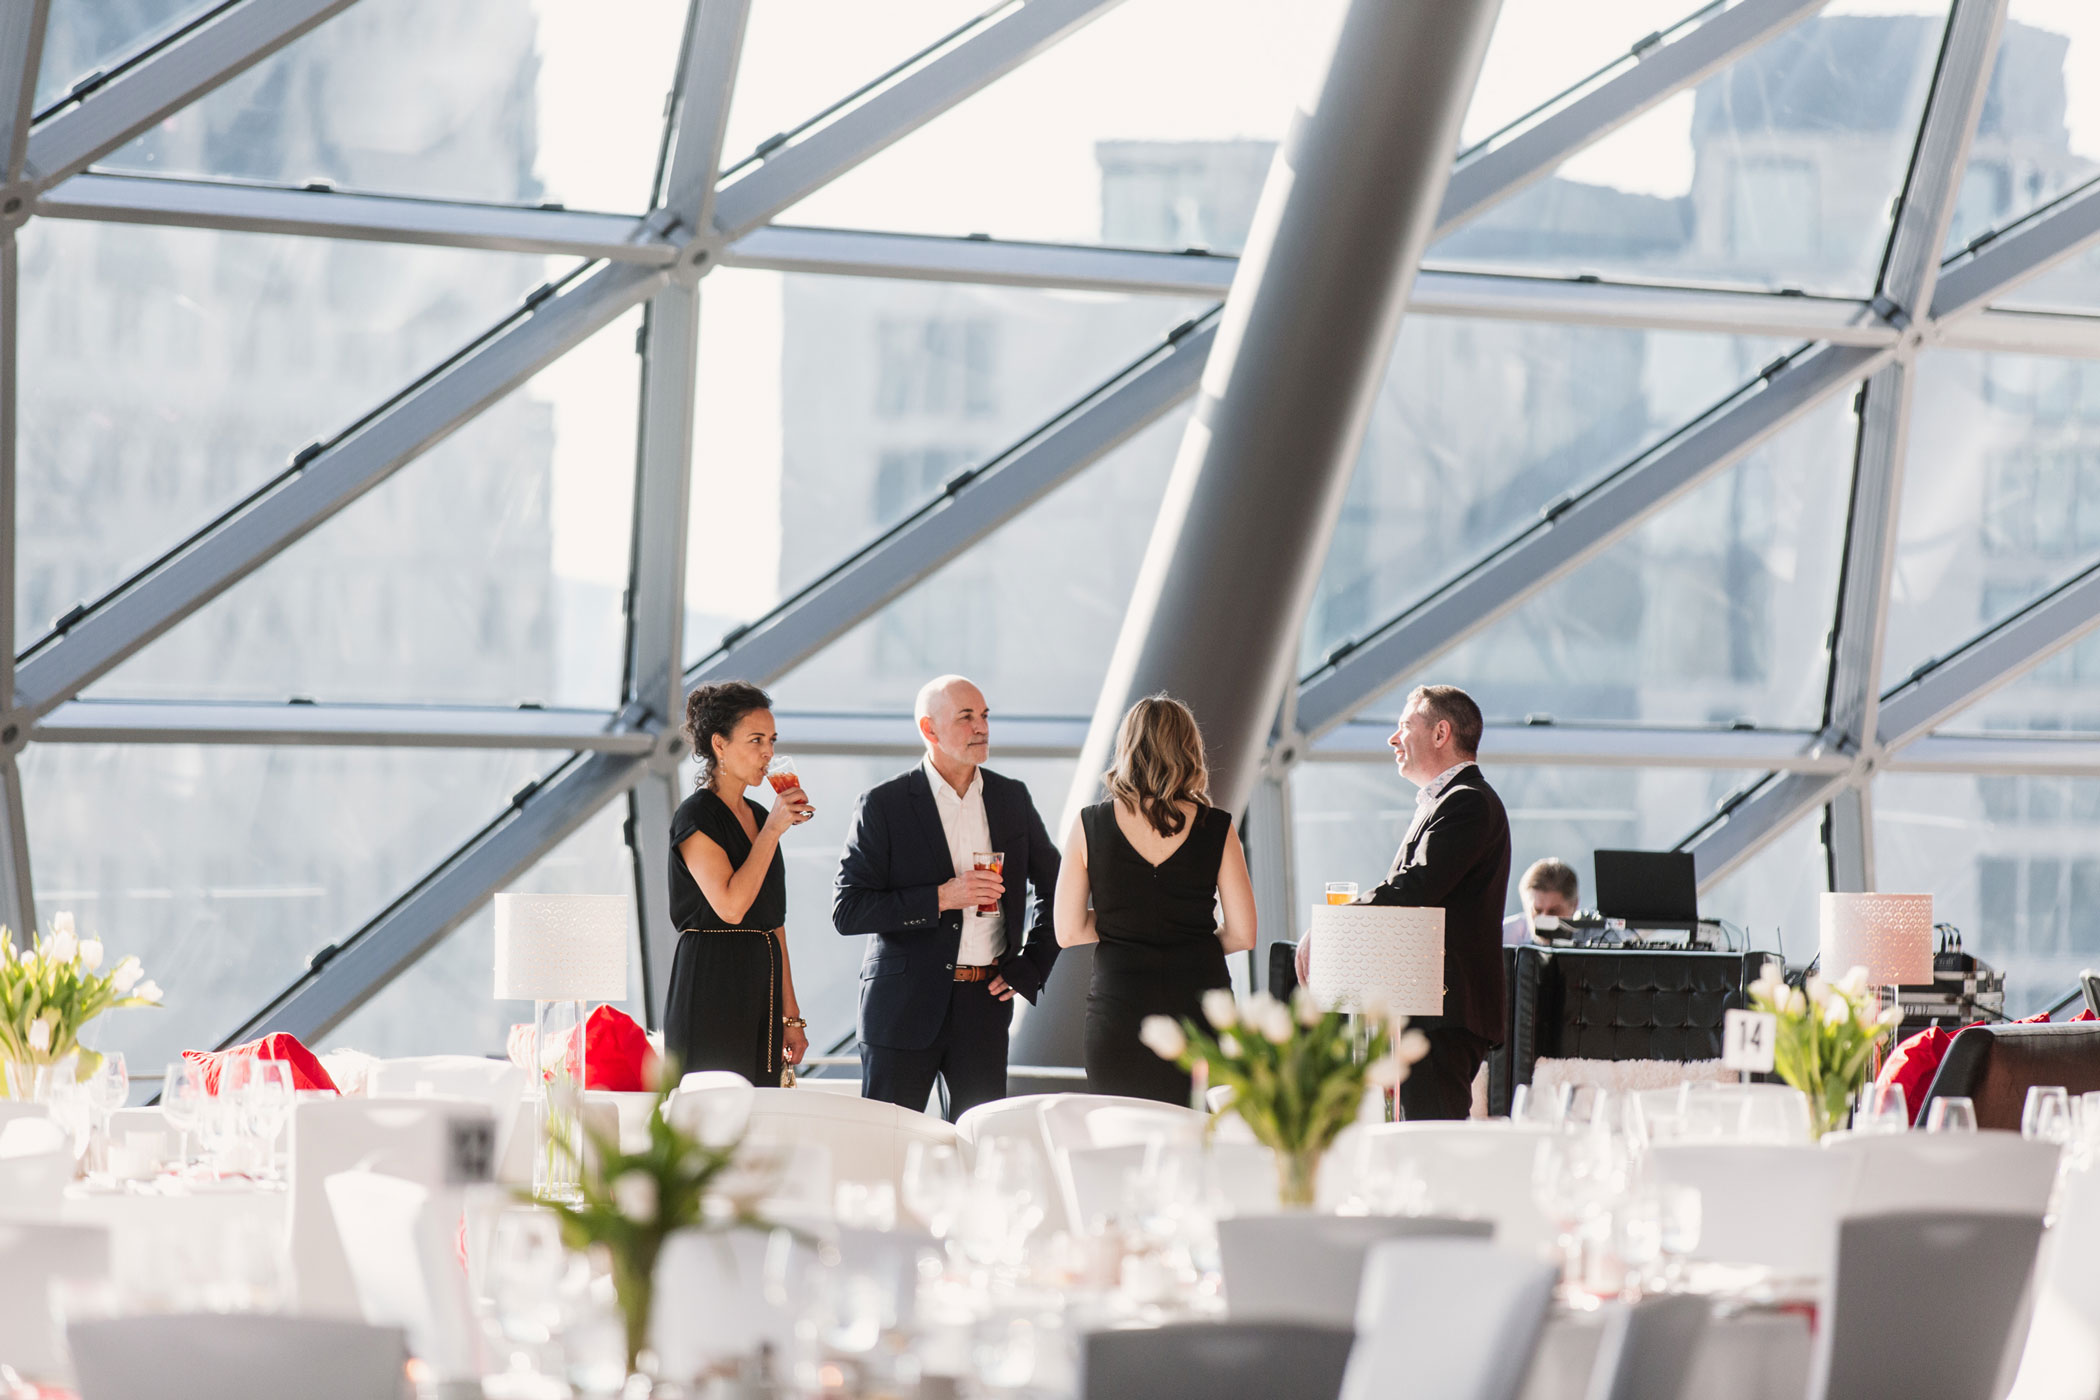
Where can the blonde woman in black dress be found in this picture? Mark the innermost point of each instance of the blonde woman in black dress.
(1158, 864)
(731, 1003)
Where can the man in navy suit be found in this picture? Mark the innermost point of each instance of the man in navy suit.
(937, 984)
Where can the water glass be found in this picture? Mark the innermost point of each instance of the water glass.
(933, 1185)
(1953, 1114)
(182, 1102)
(2046, 1116)
(265, 1106)
(524, 1275)
(1882, 1108)
(1528, 1107)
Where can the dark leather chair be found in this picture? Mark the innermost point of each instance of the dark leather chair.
(1996, 1065)
(1214, 1361)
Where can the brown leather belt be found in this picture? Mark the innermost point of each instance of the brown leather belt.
(974, 974)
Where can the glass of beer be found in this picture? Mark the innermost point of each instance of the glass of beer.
(781, 774)
(994, 861)
(1341, 891)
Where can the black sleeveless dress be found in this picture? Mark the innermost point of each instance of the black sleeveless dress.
(1159, 950)
(724, 1007)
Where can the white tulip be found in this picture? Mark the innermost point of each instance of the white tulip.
(40, 1035)
(1836, 1011)
(127, 976)
(1411, 1047)
(62, 924)
(1890, 1019)
(1384, 1072)
(1796, 1002)
(149, 990)
(1307, 1010)
(1818, 990)
(1276, 1023)
(634, 1193)
(91, 955)
(1163, 1037)
(1220, 1009)
(1854, 983)
(64, 947)
(1229, 1046)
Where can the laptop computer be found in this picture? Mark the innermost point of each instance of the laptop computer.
(1648, 889)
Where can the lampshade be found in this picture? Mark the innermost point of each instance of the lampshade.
(1890, 935)
(1361, 949)
(561, 947)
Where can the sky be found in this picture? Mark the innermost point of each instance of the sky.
(1014, 161)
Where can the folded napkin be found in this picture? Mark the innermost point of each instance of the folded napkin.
(307, 1073)
(617, 1055)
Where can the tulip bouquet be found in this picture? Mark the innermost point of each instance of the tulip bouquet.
(1297, 1072)
(52, 989)
(1827, 1032)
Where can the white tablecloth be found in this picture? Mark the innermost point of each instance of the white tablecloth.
(162, 1236)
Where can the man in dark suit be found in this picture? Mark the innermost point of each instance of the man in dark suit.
(1456, 858)
(937, 984)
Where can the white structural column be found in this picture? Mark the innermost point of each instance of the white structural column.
(1909, 280)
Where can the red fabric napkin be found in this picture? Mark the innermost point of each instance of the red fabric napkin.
(617, 1055)
(306, 1070)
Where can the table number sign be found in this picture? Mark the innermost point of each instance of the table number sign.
(1748, 1039)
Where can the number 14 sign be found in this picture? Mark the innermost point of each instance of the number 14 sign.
(1747, 1040)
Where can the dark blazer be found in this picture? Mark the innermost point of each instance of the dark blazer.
(896, 859)
(1456, 857)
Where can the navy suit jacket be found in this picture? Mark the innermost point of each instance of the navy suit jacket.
(889, 880)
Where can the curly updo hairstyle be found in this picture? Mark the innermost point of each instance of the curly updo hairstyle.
(718, 709)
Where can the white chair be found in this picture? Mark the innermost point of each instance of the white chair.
(1478, 1170)
(432, 1142)
(31, 1257)
(630, 1109)
(399, 1238)
(2061, 1358)
(33, 1184)
(1069, 1120)
(1020, 1116)
(498, 1083)
(1759, 1203)
(1922, 1305)
(868, 1139)
(713, 1105)
(1207, 1361)
(1648, 1349)
(1305, 1268)
(719, 1295)
(1993, 1172)
(1120, 1125)
(1446, 1320)
(235, 1356)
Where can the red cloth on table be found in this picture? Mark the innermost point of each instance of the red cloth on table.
(1913, 1063)
(306, 1070)
(617, 1055)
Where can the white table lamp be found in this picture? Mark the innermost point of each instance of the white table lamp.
(559, 951)
(1362, 950)
(1890, 935)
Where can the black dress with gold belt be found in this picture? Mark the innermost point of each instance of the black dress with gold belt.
(724, 1006)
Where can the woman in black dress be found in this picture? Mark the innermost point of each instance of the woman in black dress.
(1158, 862)
(732, 998)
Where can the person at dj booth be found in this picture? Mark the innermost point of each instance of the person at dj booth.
(1549, 889)
(1456, 858)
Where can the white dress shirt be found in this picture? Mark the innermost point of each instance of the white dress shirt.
(1434, 788)
(968, 831)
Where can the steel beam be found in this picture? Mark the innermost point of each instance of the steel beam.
(1606, 746)
(346, 975)
(799, 169)
(22, 26)
(2022, 755)
(339, 473)
(692, 164)
(1575, 531)
(240, 207)
(338, 725)
(1992, 658)
(1991, 267)
(2060, 333)
(1268, 835)
(17, 884)
(973, 506)
(139, 95)
(893, 735)
(1752, 824)
(650, 805)
(662, 494)
(1848, 839)
(1660, 74)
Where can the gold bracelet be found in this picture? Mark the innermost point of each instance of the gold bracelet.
(796, 1021)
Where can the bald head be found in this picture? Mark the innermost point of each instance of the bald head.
(955, 724)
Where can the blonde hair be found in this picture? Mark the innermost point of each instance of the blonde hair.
(1159, 763)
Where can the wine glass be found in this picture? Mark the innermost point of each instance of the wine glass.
(2046, 1115)
(933, 1185)
(264, 1106)
(1882, 1109)
(1951, 1114)
(524, 1272)
(182, 1101)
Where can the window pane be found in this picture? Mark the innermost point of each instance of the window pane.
(1778, 171)
(441, 1004)
(1348, 820)
(1774, 894)
(83, 37)
(166, 373)
(2001, 499)
(2040, 130)
(1030, 613)
(2058, 695)
(225, 868)
(1714, 610)
(1481, 423)
(476, 99)
(2015, 877)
